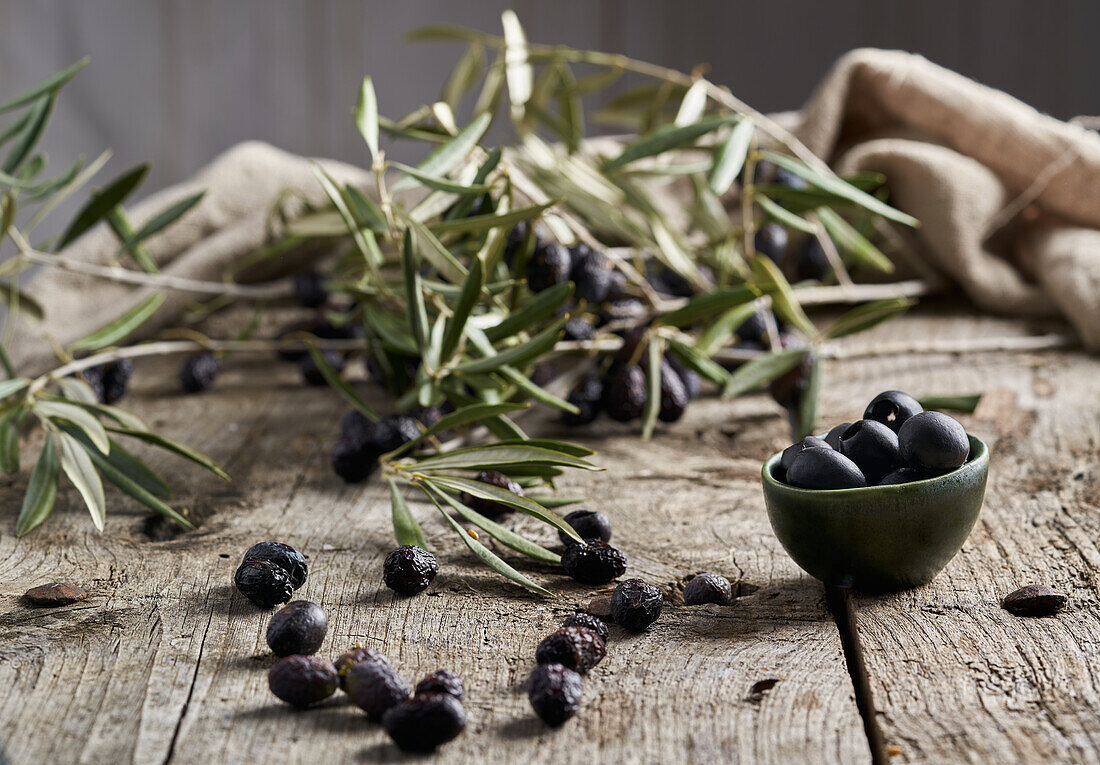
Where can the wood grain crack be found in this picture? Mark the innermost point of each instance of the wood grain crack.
(190, 690)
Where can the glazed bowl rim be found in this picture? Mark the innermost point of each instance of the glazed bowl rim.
(977, 460)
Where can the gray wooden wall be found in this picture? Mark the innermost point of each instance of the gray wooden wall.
(176, 81)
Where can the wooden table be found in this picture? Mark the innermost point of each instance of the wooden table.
(165, 662)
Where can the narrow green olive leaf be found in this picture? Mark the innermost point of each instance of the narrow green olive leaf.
(464, 76)
(41, 491)
(653, 384)
(704, 306)
(446, 156)
(432, 250)
(7, 214)
(405, 528)
(164, 442)
(434, 355)
(366, 116)
(503, 535)
(575, 450)
(59, 195)
(77, 390)
(133, 468)
(598, 81)
(491, 88)
(51, 84)
(467, 415)
(806, 415)
(365, 210)
(764, 369)
(163, 219)
(965, 402)
(414, 295)
(731, 157)
(517, 70)
(20, 302)
(837, 187)
(342, 386)
(478, 457)
(78, 466)
(865, 181)
(393, 334)
(496, 494)
(9, 440)
(544, 305)
(102, 202)
(852, 242)
(571, 107)
(777, 212)
(81, 418)
(694, 359)
(122, 327)
(784, 302)
(15, 127)
(13, 386)
(540, 394)
(471, 291)
(136, 484)
(516, 354)
(478, 223)
(370, 255)
(462, 207)
(672, 253)
(120, 225)
(663, 139)
(723, 328)
(450, 32)
(121, 416)
(693, 104)
(48, 187)
(867, 315)
(27, 138)
(437, 183)
(488, 557)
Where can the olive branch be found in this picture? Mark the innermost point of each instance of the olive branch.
(431, 266)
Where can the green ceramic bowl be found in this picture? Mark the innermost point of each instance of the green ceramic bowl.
(878, 538)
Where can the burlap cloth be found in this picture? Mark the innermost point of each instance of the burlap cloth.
(956, 154)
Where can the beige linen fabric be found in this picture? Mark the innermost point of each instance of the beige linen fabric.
(955, 153)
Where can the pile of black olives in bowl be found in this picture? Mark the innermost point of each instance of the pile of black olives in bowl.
(897, 441)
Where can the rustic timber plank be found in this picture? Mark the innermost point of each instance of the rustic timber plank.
(166, 663)
(956, 678)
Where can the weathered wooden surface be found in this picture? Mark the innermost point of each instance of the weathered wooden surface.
(165, 662)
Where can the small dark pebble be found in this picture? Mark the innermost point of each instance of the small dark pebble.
(299, 627)
(588, 621)
(302, 681)
(707, 588)
(442, 681)
(55, 594)
(589, 524)
(555, 693)
(425, 721)
(578, 648)
(600, 607)
(1034, 600)
(409, 569)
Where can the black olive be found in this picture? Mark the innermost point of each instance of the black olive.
(892, 408)
(550, 264)
(409, 569)
(302, 680)
(771, 240)
(792, 451)
(589, 524)
(824, 469)
(933, 441)
(872, 446)
(299, 627)
(586, 396)
(832, 438)
(707, 588)
(902, 475)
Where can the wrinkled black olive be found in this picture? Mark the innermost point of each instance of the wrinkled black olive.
(588, 621)
(586, 396)
(198, 372)
(624, 393)
(578, 648)
(707, 588)
(296, 565)
(425, 721)
(594, 562)
(409, 569)
(555, 693)
(442, 681)
(374, 687)
(635, 605)
(550, 264)
(302, 680)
